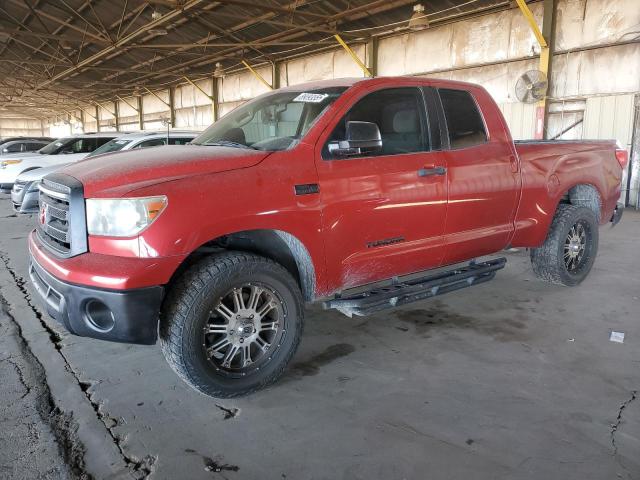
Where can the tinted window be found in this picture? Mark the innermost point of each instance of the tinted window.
(179, 141)
(110, 146)
(463, 118)
(399, 114)
(151, 143)
(100, 141)
(56, 146)
(14, 148)
(32, 147)
(80, 145)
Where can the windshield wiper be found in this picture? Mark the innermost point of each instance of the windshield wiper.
(228, 143)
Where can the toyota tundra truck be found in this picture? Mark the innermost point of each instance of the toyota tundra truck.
(360, 194)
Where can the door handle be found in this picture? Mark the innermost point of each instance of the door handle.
(429, 172)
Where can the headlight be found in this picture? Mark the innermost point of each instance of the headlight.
(122, 217)
(6, 163)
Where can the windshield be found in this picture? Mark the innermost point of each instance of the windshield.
(273, 122)
(55, 146)
(111, 146)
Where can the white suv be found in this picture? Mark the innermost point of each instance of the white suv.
(59, 152)
(25, 189)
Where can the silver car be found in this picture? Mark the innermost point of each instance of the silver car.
(24, 194)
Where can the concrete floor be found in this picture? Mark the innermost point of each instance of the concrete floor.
(514, 379)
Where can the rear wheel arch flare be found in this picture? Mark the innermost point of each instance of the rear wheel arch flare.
(586, 195)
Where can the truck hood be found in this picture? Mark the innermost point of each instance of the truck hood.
(116, 174)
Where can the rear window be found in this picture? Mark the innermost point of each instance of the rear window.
(464, 121)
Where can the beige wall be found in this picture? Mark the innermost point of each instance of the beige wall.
(12, 127)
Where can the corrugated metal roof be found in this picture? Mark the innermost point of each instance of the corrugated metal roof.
(57, 55)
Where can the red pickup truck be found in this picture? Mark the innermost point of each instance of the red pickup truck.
(362, 194)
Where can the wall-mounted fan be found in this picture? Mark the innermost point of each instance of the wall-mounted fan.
(531, 86)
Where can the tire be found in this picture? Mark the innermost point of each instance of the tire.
(550, 260)
(200, 301)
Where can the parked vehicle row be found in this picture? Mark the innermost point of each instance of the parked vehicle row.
(345, 192)
(24, 193)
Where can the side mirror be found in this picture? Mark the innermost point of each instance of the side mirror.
(360, 135)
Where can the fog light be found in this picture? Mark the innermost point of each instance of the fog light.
(98, 316)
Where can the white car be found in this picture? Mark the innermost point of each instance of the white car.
(145, 140)
(25, 189)
(59, 152)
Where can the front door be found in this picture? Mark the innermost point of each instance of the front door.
(383, 210)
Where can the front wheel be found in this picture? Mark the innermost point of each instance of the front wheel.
(231, 324)
(568, 253)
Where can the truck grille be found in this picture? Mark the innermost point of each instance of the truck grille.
(61, 220)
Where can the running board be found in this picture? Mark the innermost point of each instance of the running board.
(416, 289)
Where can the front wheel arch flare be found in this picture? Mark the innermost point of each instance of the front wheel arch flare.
(280, 246)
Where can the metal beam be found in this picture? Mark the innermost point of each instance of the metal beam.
(528, 15)
(355, 57)
(212, 96)
(158, 97)
(123, 100)
(123, 41)
(257, 75)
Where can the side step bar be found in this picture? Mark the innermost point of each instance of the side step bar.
(401, 293)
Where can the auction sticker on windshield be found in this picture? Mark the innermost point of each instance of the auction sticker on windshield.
(310, 97)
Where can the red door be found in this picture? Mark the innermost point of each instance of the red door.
(383, 212)
(483, 177)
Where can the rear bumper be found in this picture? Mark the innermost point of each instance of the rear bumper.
(617, 214)
(129, 316)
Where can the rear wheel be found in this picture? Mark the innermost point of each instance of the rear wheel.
(568, 253)
(231, 324)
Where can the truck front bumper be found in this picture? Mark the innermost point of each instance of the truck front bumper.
(128, 316)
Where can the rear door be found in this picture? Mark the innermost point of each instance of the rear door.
(381, 217)
(483, 175)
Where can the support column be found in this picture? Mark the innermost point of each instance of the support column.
(97, 118)
(372, 57)
(172, 110)
(546, 57)
(116, 110)
(275, 75)
(546, 40)
(140, 113)
(215, 103)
